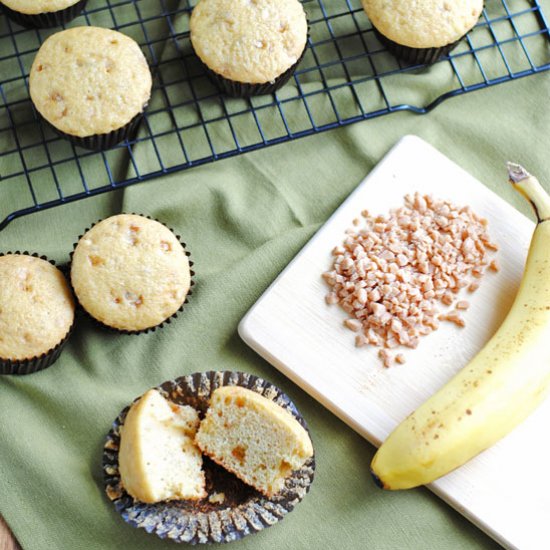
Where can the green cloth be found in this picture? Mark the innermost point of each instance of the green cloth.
(243, 220)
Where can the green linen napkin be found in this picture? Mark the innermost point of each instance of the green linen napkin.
(243, 220)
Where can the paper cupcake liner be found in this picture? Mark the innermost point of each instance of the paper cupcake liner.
(243, 511)
(101, 142)
(243, 89)
(47, 19)
(416, 56)
(167, 321)
(34, 364)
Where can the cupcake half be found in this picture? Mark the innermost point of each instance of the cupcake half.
(422, 31)
(91, 84)
(36, 313)
(249, 47)
(130, 273)
(42, 13)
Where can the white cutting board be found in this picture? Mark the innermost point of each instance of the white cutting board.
(506, 489)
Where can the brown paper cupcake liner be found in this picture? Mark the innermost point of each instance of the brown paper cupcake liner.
(416, 56)
(34, 364)
(243, 511)
(243, 89)
(167, 321)
(47, 19)
(102, 142)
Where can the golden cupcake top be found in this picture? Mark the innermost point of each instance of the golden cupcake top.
(249, 41)
(34, 7)
(89, 80)
(130, 273)
(424, 23)
(36, 307)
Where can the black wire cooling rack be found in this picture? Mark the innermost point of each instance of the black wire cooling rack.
(346, 76)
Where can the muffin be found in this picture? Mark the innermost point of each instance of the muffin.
(231, 509)
(422, 31)
(130, 273)
(158, 459)
(251, 436)
(36, 313)
(249, 47)
(42, 13)
(91, 84)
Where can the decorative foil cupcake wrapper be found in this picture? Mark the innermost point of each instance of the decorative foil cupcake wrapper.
(167, 321)
(102, 142)
(243, 511)
(244, 90)
(47, 19)
(416, 56)
(34, 364)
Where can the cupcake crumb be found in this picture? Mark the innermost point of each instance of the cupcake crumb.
(216, 498)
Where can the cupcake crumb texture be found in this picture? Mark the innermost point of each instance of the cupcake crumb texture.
(158, 459)
(254, 438)
(216, 498)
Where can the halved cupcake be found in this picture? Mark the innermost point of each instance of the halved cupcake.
(158, 457)
(254, 438)
(230, 509)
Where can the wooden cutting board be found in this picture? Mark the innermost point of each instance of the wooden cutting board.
(505, 490)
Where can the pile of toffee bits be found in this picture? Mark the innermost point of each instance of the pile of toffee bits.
(390, 274)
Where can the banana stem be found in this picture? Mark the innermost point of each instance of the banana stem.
(530, 187)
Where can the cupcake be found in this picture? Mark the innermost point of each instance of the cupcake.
(91, 84)
(249, 47)
(158, 458)
(254, 438)
(36, 313)
(42, 13)
(130, 273)
(230, 509)
(422, 31)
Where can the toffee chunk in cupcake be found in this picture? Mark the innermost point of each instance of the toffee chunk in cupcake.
(421, 31)
(36, 313)
(130, 273)
(42, 13)
(91, 84)
(249, 47)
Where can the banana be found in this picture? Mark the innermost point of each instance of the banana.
(496, 391)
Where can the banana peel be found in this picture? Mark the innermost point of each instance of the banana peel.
(500, 387)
